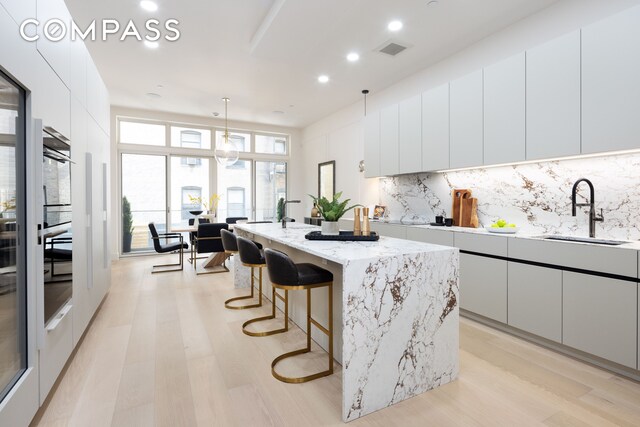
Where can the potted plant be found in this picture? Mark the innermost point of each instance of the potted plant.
(331, 212)
(280, 212)
(127, 226)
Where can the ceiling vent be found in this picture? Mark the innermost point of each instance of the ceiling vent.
(392, 48)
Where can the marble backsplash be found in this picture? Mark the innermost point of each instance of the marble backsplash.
(537, 196)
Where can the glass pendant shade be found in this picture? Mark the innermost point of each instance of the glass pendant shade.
(226, 152)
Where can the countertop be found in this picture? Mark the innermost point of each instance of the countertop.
(338, 252)
(631, 245)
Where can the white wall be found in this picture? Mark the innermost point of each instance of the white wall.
(295, 169)
(340, 136)
(66, 91)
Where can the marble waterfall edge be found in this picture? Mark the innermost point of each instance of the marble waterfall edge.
(385, 361)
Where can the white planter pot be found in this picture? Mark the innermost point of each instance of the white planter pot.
(330, 228)
(210, 216)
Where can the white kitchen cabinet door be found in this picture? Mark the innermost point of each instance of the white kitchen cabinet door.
(600, 316)
(504, 111)
(57, 54)
(483, 286)
(435, 128)
(610, 89)
(553, 98)
(389, 141)
(535, 300)
(467, 122)
(372, 145)
(410, 135)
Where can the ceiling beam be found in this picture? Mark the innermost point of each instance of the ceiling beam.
(265, 24)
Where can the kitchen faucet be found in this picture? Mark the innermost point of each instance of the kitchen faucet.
(593, 217)
(286, 219)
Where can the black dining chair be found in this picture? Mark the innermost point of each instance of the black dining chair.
(235, 219)
(160, 248)
(209, 241)
(193, 234)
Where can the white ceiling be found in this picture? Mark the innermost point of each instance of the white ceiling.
(223, 53)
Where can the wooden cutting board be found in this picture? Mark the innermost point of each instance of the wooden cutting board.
(469, 212)
(458, 195)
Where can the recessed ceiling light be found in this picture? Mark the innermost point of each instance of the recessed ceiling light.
(154, 95)
(323, 79)
(278, 112)
(433, 3)
(353, 57)
(148, 5)
(395, 26)
(215, 114)
(151, 45)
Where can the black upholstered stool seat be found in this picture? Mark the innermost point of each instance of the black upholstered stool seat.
(229, 241)
(288, 276)
(250, 256)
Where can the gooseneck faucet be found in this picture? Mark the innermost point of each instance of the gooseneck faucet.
(593, 217)
(286, 219)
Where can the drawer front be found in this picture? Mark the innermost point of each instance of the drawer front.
(490, 245)
(390, 230)
(483, 286)
(623, 262)
(600, 316)
(535, 300)
(436, 237)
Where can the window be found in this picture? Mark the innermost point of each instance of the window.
(235, 201)
(142, 133)
(242, 141)
(187, 180)
(271, 144)
(188, 193)
(190, 138)
(235, 178)
(271, 185)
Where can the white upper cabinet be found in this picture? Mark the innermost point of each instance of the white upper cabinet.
(389, 148)
(57, 54)
(553, 98)
(78, 72)
(610, 89)
(435, 128)
(467, 121)
(410, 135)
(20, 9)
(504, 111)
(372, 145)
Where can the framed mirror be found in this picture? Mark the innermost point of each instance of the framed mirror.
(327, 179)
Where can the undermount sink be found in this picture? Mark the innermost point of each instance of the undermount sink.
(587, 240)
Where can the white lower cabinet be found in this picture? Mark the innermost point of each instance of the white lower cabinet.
(389, 230)
(483, 286)
(600, 317)
(427, 235)
(535, 300)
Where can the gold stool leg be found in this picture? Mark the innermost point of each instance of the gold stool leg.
(274, 295)
(250, 296)
(328, 331)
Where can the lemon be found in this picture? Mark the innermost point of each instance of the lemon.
(512, 225)
(501, 223)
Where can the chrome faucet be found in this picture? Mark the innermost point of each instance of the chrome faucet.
(286, 219)
(593, 217)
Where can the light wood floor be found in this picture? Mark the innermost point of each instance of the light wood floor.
(163, 351)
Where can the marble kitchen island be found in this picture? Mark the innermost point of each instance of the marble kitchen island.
(395, 311)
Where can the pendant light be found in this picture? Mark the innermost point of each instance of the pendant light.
(361, 165)
(226, 152)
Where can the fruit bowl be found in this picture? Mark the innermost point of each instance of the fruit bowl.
(502, 230)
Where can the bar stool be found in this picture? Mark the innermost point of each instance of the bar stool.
(250, 256)
(286, 275)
